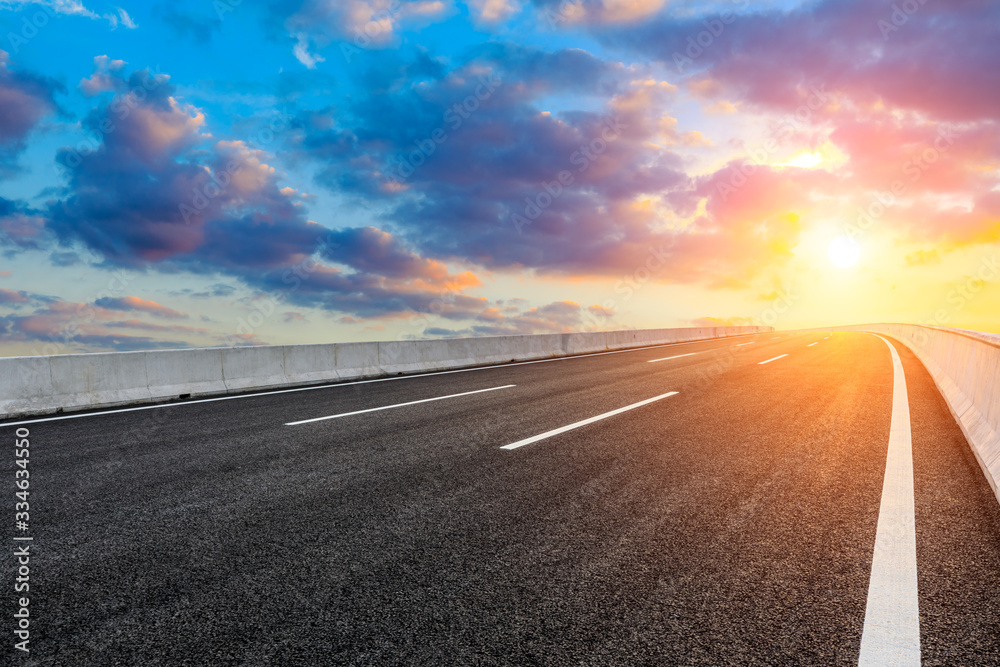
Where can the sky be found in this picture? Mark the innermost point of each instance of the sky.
(246, 172)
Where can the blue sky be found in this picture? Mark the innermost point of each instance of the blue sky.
(217, 173)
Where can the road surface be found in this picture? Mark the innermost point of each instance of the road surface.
(722, 510)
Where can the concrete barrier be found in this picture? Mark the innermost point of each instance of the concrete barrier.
(100, 379)
(197, 372)
(43, 385)
(965, 366)
(306, 364)
(356, 360)
(256, 367)
(26, 385)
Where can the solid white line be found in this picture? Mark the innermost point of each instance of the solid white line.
(891, 636)
(770, 360)
(679, 356)
(811, 344)
(549, 434)
(397, 405)
(348, 384)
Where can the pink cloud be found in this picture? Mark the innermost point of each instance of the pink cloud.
(10, 296)
(134, 303)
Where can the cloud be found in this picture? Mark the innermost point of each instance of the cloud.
(923, 257)
(942, 176)
(442, 332)
(375, 251)
(597, 12)
(488, 191)
(842, 74)
(21, 226)
(120, 17)
(159, 193)
(67, 7)
(950, 227)
(25, 99)
(217, 290)
(838, 44)
(72, 8)
(601, 312)
(493, 11)
(314, 24)
(555, 317)
(134, 303)
(135, 199)
(10, 296)
(139, 325)
(80, 327)
(302, 54)
(367, 295)
(102, 79)
(64, 259)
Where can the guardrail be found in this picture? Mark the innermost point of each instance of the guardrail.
(45, 385)
(966, 367)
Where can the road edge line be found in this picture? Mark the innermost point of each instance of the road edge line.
(891, 635)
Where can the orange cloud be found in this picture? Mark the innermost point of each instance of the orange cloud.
(138, 304)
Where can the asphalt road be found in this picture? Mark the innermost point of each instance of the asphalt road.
(731, 523)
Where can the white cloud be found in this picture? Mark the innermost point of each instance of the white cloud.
(301, 51)
(366, 23)
(102, 79)
(72, 8)
(121, 19)
(493, 11)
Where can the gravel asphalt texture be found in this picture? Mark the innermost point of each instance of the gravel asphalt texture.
(731, 524)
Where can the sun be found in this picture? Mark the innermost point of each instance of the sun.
(844, 252)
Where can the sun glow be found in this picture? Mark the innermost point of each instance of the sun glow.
(844, 252)
(805, 160)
